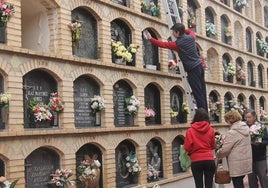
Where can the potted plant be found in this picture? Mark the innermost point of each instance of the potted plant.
(61, 178)
(132, 104)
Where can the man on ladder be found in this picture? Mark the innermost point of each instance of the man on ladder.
(185, 46)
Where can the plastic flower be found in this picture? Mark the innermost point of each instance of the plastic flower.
(228, 31)
(132, 163)
(210, 29)
(97, 103)
(219, 140)
(40, 110)
(185, 108)
(240, 73)
(4, 99)
(6, 11)
(231, 69)
(149, 112)
(256, 131)
(4, 183)
(262, 46)
(55, 102)
(133, 105)
(61, 178)
(76, 29)
(88, 170)
(173, 113)
(241, 3)
(120, 51)
(152, 173)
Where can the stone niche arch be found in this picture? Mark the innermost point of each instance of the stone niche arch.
(39, 165)
(176, 100)
(152, 101)
(238, 41)
(154, 160)
(37, 85)
(176, 145)
(90, 152)
(87, 46)
(213, 65)
(215, 106)
(123, 177)
(150, 52)
(3, 119)
(85, 88)
(252, 102)
(38, 25)
(121, 91)
(228, 102)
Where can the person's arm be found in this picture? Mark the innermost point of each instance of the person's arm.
(167, 45)
(188, 142)
(265, 138)
(226, 147)
(190, 32)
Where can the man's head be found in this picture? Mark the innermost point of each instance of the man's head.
(250, 117)
(178, 29)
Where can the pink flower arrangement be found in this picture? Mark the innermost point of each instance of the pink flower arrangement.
(256, 131)
(6, 11)
(40, 110)
(240, 73)
(55, 103)
(149, 112)
(61, 178)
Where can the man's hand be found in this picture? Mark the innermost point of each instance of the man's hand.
(147, 34)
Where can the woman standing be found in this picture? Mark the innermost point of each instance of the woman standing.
(237, 148)
(199, 143)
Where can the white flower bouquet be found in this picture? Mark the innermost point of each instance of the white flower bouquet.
(97, 103)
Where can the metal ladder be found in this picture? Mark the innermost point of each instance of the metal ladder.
(173, 17)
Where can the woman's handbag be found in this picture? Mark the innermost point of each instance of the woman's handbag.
(222, 176)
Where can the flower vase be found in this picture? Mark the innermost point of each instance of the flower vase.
(259, 140)
(98, 118)
(120, 61)
(2, 32)
(55, 118)
(4, 114)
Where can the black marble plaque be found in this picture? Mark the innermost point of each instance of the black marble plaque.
(37, 85)
(123, 177)
(84, 89)
(39, 165)
(2, 33)
(87, 47)
(121, 91)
